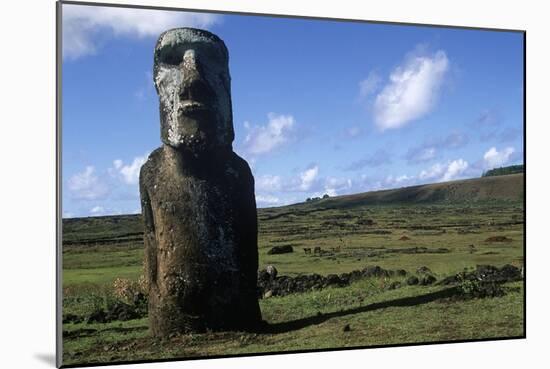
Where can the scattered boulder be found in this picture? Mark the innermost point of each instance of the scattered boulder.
(427, 279)
(97, 316)
(346, 328)
(352, 276)
(507, 273)
(510, 272)
(284, 285)
(333, 279)
(271, 284)
(375, 271)
(404, 238)
(486, 273)
(121, 311)
(393, 285)
(478, 289)
(272, 271)
(267, 274)
(424, 270)
(263, 276)
(116, 311)
(282, 249)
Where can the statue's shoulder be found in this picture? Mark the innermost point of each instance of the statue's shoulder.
(240, 164)
(241, 170)
(151, 165)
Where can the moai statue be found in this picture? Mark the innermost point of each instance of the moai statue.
(197, 196)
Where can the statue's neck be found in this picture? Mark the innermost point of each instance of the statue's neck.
(188, 163)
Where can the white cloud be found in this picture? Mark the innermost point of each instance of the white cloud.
(307, 178)
(87, 185)
(268, 183)
(444, 172)
(412, 91)
(263, 139)
(455, 169)
(494, 158)
(97, 210)
(369, 85)
(433, 172)
(306, 181)
(129, 173)
(394, 181)
(337, 186)
(267, 200)
(82, 23)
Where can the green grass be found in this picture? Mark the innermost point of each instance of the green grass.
(89, 271)
(374, 317)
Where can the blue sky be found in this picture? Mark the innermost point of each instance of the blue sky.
(318, 106)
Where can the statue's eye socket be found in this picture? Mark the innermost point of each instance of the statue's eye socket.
(205, 52)
(171, 58)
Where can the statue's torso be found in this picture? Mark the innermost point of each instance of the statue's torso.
(193, 218)
(198, 223)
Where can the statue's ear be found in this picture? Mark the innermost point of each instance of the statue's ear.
(155, 73)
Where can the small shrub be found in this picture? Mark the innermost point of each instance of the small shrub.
(469, 289)
(126, 289)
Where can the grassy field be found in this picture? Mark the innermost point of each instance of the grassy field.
(456, 226)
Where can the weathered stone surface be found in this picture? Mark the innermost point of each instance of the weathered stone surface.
(197, 196)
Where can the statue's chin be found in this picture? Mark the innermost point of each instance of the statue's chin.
(191, 146)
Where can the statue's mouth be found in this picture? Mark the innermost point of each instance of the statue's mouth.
(192, 106)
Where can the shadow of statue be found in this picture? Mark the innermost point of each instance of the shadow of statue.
(320, 318)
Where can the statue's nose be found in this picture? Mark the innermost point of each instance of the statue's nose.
(190, 63)
(194, 86)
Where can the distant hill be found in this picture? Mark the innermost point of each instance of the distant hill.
(124, 228)
(512, 169)
(492, 188)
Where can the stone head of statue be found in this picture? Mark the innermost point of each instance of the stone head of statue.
(191, 76)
